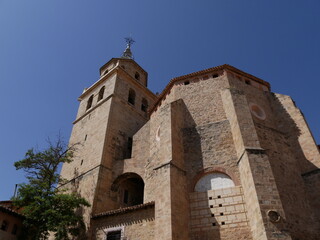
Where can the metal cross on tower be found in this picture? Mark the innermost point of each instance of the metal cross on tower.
(129, 41)
(127, 53)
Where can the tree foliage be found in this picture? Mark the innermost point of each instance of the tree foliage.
(46, 207)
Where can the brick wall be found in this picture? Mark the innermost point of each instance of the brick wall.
(219, 212)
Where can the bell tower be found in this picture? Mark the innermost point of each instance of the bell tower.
(110, 112)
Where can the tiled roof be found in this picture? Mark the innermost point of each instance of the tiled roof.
(10, 210)
(205, 71)
(124, 210)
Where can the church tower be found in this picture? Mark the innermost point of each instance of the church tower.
(111, 111)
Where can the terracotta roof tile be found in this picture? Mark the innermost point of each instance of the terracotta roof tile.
(124, 210)
(11, 211)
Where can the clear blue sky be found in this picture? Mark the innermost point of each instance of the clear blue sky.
(51, 50)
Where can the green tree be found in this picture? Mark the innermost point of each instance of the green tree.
(46, 207)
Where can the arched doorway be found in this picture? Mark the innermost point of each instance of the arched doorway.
(129, 188)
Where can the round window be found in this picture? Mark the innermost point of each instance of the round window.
(274, 216)
(257, 111)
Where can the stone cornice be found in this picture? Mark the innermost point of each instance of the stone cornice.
(125, 60)
(119, 70)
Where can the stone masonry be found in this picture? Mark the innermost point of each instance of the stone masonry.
(215, 156)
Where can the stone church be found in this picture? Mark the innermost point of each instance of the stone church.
(215, 156)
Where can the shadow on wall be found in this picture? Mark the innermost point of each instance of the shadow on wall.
(194, 163)
(192, 146)
(290, 168)
(208, 148)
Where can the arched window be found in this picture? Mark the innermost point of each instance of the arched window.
(137, 76)
(213, 181)
(144, 105)
(132, 96)
(101, 92)
(89, 103)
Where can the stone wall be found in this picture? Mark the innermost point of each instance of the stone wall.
(209, 148)
(108, 81)
(88, 136)
(258, 182)
(165, 173)
(201, 96)
(124, 122)
(306, 145)
(132, 69)
(312, 182)
(291, 150)
(88, 130)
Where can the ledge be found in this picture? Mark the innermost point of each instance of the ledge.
(170, 163)
(92, 108)
(251, 150)
(124, 210)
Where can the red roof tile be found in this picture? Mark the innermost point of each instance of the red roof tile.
(124, 210)
(10, 210)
